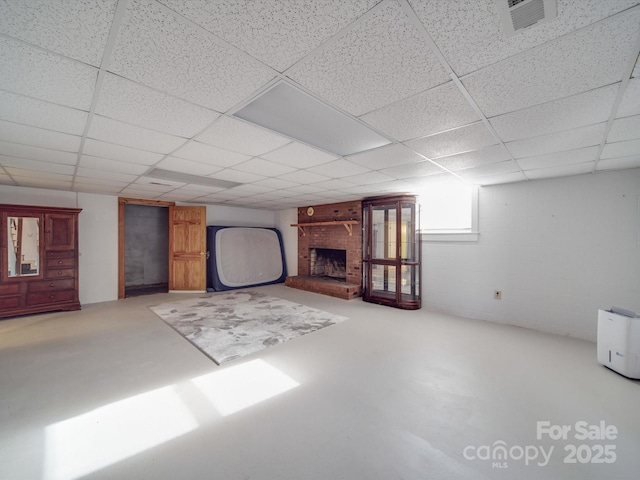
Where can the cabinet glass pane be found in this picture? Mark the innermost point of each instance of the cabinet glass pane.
(410, 282)
(383, 280)
(407, 233)
(383, 232)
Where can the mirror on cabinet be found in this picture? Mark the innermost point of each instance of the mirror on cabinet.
(23, 249)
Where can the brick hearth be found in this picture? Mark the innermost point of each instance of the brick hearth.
(334, 237)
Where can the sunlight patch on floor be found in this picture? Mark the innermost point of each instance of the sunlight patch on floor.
(241, 386)
(80, 445)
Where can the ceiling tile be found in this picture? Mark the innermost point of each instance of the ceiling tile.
(380, 61)
(339, 168)
(29, 111)
(20, 173)
(69, 27)
(263, 167)
(133, 103)
(100, 189)
(562, 171)
(300, 156)
(98, 163)
(413, 170)
(333, 184)
(178, 196)
(247, 189)
(433, 111)
(368, 178)
(304, 189)
(621, 149)
(490, 170)
(304, 177)
(619, 163)
(37, 153)
(41, 182)
(25, 164)
(160, 49)
(113, 131)
(627, 128)
(470, 36)
(559, 158)
(135, 192)
(588, 59)
(571, 112)
(630, 104)
(386, 157)
(476, 158)
(275, 183)
(237, 176)
(97, 148)
(232, 134)
(103, 175)
(501, 178)
(187, 166)
(463, 139)
(200, 152)
(200, 190)
(558, 142)
(46, 76)
(275, 32)
(37, 137)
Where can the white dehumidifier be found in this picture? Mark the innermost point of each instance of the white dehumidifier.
(619, 341)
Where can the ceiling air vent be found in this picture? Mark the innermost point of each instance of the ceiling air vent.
(517, 15)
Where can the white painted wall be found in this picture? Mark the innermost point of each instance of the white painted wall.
(283, 221)
(559, 250)
(98, 245)
(239, 216)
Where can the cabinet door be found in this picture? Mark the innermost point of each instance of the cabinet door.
(60, 231)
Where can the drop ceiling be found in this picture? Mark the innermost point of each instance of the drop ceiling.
(96, 95)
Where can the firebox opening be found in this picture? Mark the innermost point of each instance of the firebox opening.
(328, 262)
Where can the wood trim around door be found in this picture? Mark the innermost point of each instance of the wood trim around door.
(122, 201)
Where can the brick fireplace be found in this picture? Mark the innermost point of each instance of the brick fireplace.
(330, 250)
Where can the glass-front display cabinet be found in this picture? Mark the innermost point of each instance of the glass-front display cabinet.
(392, 251)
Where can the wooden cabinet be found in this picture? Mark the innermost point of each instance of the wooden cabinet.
(39, 259)
(392, 251)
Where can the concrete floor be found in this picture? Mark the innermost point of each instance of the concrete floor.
(113, 392)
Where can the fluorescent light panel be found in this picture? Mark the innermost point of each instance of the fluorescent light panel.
(290, 111)
(161, 174)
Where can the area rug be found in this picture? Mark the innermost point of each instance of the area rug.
(229, 325)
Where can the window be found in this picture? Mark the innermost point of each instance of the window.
(449, 212)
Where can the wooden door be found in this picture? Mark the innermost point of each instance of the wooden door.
(187, 249)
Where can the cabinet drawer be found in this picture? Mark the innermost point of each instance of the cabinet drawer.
(60, 253)
(10, 289)
(59, 272)
(9, 302)
(50, 297)
(51, 285)
(60, 262)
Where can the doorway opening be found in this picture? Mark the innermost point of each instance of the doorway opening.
(144, 247)
(146, 250)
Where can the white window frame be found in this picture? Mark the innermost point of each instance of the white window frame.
(458, 235)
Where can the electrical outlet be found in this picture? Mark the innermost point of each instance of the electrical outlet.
(497, 294)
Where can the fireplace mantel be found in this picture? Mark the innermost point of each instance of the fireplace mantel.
(346, 223)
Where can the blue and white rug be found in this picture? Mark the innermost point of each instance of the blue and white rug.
(232, 324)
